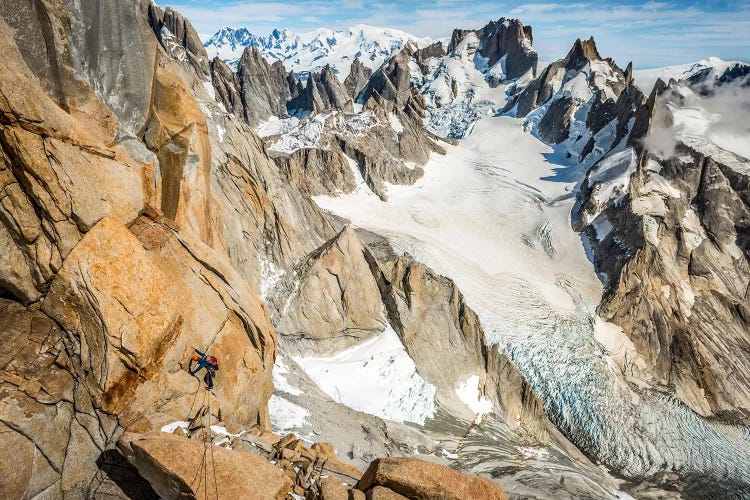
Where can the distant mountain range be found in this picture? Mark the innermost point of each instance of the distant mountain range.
(311, 51)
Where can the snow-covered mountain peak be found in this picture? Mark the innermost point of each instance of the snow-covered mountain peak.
(311, 51)
(646, 78)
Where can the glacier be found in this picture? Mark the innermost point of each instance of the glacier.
(493, 214)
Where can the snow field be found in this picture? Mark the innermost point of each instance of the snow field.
(376, 377)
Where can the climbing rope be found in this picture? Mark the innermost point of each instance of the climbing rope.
(208, 444)
(466, 434)
(213, 460)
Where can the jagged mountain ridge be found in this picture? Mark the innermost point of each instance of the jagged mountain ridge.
(307, 52)
(646, 78)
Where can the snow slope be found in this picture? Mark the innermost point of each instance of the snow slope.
(377, 377)
(493, 215)
(456, 89)
(646, 78)
(305, 52)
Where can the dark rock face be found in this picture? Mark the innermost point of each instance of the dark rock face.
(295, 86)
(554, 127)
(507, 38)
(678, 264)
(392, 81)
(179, 38)
(358, 76)
(123, 78)
(227, 85)
(264, 88)
(323, 92)
(706, 81)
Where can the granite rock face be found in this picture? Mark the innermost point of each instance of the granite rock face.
(228, 88)
(677, 262)
(504, 38)
(417, 479)
(110, 272)
(263, 87)
(358, 76)
(323, 92)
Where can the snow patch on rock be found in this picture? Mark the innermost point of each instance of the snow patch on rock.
(376, 377)
(285, 415)
(470, 395)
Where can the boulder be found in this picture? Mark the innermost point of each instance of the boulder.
(419, 480)
(382, 493)
(174, 465)
(328, 488)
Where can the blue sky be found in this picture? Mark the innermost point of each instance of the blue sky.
(653, 33)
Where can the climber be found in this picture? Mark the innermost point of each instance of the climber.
(210, 363)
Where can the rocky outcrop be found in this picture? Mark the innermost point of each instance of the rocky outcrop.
(391, 83)
(676, 260)
(416, 479)
(323, 92)
(336, 302)
(358, 76)
(507, 40)
(179, 38)
(228, 88)
(264, 87)
(170, 463)
(317, 171)
(584, 101)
